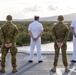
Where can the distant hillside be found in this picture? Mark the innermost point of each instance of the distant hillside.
(68, 17)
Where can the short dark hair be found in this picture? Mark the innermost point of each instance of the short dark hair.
(36, 17)
(9, 17)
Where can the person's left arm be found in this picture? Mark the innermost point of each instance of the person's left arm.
(72, 30)
(2, 36)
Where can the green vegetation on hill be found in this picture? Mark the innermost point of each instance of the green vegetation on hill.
(24, 38)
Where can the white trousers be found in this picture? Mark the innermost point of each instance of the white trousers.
(0, 56)
(74, 49)
(38, 47)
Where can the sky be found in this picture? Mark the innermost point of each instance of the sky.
(24, 9)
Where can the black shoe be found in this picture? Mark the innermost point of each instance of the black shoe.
(73, 61)
(30, 61)
(40, 61)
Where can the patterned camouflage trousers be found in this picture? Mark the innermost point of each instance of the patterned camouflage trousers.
(4, 51)
(64, 57)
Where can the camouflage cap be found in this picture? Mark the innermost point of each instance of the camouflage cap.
(60, 18)
(9, 17)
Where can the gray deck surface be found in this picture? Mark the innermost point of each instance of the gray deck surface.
(35, 68)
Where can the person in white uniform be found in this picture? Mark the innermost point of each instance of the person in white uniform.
(73, 27)
(35, 30)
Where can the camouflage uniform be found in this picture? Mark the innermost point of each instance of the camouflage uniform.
(60, 34)
(9, 33)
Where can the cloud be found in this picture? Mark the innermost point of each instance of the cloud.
(18, 15)
(51, 7)
(35, 8)
(71, 8)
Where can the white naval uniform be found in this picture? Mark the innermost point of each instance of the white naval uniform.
(0, 56)
(73, 24)
(36, 28)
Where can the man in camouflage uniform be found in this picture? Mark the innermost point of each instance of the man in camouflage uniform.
(9, 32)
(60, 34)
